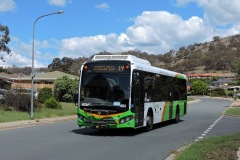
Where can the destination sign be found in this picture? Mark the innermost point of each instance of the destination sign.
(108, 68)
(118, 67)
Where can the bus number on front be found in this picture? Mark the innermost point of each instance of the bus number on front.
(120, 68)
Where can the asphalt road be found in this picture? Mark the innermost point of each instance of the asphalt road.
(65, 141)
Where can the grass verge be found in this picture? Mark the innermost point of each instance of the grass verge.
(67, 109)
(233, 111)
(217, 148)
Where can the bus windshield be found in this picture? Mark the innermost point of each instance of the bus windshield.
(105, 91)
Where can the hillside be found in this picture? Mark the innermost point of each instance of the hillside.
(219, 56)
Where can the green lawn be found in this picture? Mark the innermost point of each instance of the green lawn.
(217, 148)
(233, 111)
(67, 109)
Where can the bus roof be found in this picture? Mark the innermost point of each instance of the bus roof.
(139, 63)
(130, 58)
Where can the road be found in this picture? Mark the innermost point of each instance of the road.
(61, 141)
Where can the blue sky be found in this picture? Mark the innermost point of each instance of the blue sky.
(88, 27)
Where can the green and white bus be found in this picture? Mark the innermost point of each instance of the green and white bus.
(123, 91)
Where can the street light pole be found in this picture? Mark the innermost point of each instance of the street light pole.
(32, 74)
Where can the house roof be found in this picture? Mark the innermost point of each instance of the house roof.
(49, 76)
(8, 76)
(223, 81)
(198, 75)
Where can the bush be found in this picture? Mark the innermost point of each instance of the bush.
(198, 88)
(52, 103)
(45, 94)
(65, 88)
(67, 98)
(219, 92)
(19, 102)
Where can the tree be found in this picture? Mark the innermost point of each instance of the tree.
(44, 94)
(56, 64)
(198, 87)
(4, 39)
(61, 65)
(216, 38)
(66, 63)
(238, 68)
(4, 70)
(66, 88)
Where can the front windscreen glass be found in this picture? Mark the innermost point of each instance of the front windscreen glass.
(105, 91)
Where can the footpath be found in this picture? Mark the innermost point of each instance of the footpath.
(35, 122)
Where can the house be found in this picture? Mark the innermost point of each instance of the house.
(198, 76)
(40, 80)
(222, 82)
(6, 80)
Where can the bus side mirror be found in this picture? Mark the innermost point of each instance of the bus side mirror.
(75, 99)
(135, 77)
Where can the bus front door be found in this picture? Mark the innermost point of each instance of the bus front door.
(139, 102)
(170, 89)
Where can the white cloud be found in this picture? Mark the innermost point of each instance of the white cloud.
(7, 5)
(86, 46)
(61, 3)
(44, 53)
(103, 6)
(217, 12)
(221, 12)
(160, 31)
(183, 2)
(154, 32)
(15, 59)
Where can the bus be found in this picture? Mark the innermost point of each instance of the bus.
(124, 91)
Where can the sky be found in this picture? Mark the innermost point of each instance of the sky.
(88, 27)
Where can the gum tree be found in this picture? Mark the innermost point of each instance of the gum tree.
(4, 40)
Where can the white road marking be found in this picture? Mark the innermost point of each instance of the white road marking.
(209, 129)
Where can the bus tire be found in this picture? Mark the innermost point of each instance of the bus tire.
(177, 118)
(149, 121)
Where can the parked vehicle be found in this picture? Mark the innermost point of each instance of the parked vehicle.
(25, 91)
(237, 94)
(2, 95)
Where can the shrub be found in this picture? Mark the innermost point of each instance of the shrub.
(198, 88)
(52, 103)
(219, 92)
(67, 98)
(19, 102)
(65, 88)
(45, 94)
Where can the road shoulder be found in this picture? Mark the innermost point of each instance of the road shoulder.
(35, 122)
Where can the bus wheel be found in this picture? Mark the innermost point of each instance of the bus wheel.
(149, 121)
(177, 118)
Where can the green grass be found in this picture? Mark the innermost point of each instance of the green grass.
(234, 111)
(67, 109)
(213, 148)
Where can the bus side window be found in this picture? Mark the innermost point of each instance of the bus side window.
(149, 88)
(158, 89)
(164, 87)
(150, 93)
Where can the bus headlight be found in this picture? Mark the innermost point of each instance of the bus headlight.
(126, 119)
(81, 117)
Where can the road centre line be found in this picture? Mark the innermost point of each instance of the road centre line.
(209, 129)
